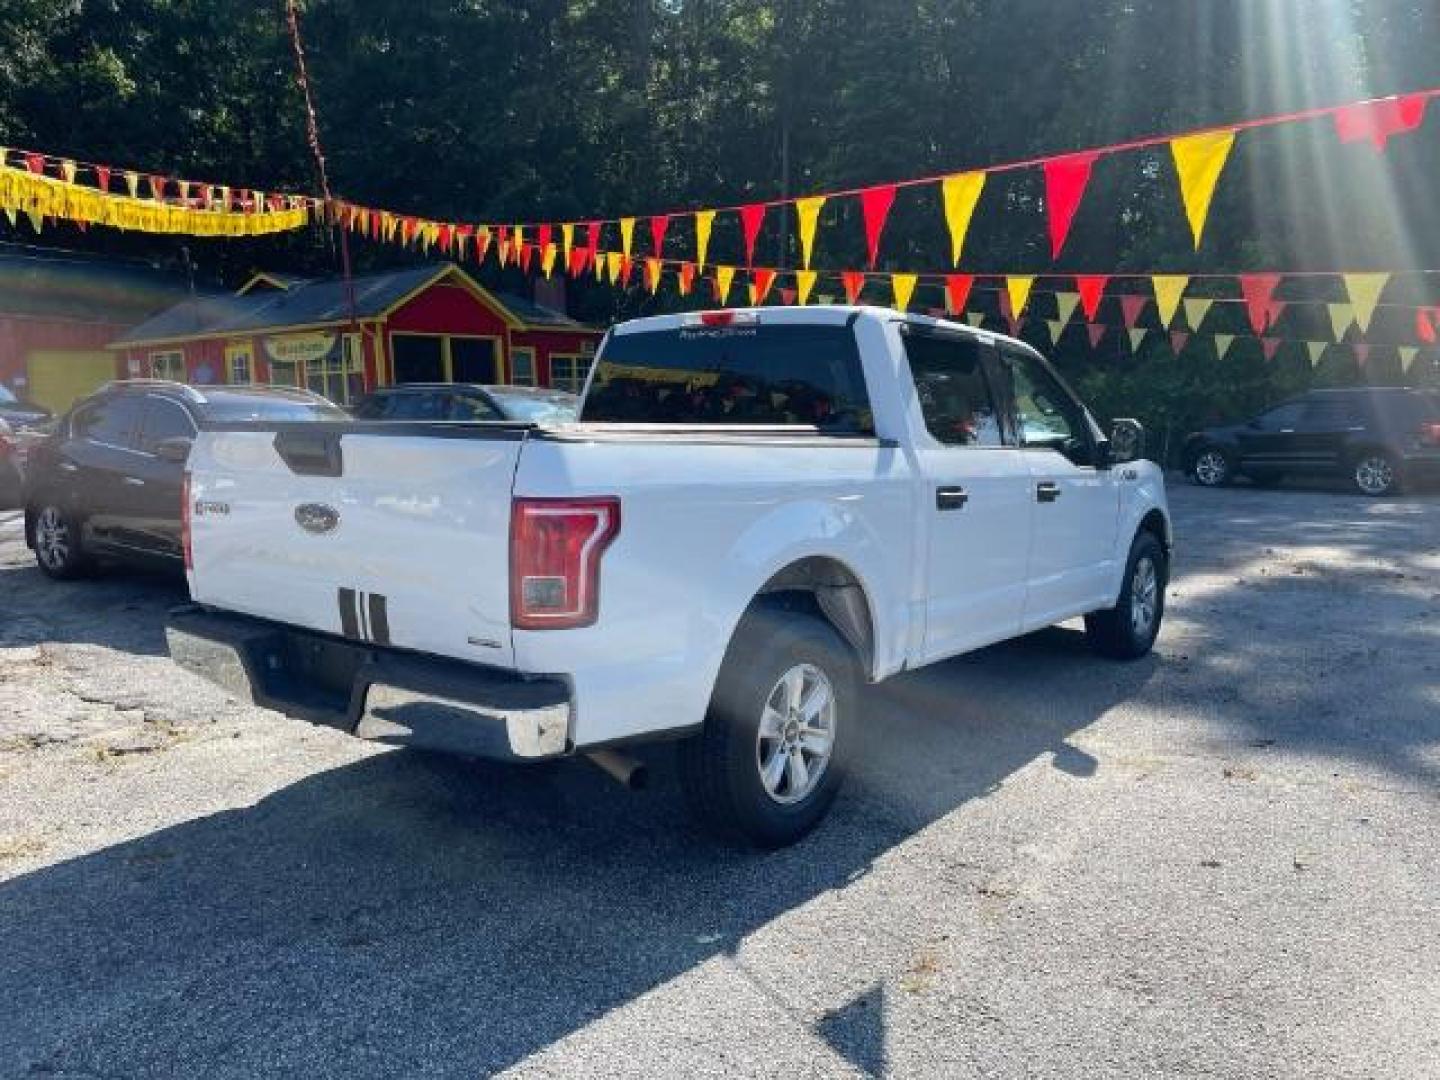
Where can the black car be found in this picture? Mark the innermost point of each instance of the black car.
(1377, 438)
(106, 484)
(467, 401)
(20, 415)
(11, 480)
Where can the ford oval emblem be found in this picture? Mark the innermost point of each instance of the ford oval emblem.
(317, 518)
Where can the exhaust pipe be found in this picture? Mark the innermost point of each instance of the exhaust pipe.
(625, 770)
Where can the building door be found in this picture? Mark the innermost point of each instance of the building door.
(472, 360)
(417, 358)
(59, 376)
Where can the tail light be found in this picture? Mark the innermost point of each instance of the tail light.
(186, 509)
(555, 549)
(723, 317)
(1430, 433)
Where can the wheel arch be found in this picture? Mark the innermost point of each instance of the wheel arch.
(828, 588)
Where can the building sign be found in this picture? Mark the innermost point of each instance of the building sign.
(300, 348)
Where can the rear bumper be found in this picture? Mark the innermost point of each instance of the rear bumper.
(381, 694)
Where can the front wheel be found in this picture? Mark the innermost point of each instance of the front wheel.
(58, 549)
(1128, 630)
(771, 757)
(1211, 468)
(1376, 474)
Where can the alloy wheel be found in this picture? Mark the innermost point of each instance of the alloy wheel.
(1211, 468)
(797, 733)
(1374, 475)
(1144, 597)
(52, 538)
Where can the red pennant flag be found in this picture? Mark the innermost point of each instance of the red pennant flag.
(1379, 120)
(102, 177)
(627, 264)
(750, 219)
(157, 186)
(577, 261)
(762, 279)
(542, 237)
(875, 205)
(1096, 332)
(447, 232)
(592, 236)
(658, 224)
(408, 228)
(1091, 288)
(1362, 352)
(35, 163)
(1131, 307)
(483, 237)
(957, 292)
(854, 281)
(687, 278)
(1257, 290)
(1269, 346)
(1065, 181)
(1178, 340)
(787, 296)
(527, 252)
(1427, 324)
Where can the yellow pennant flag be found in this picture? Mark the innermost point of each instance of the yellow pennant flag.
(1199, 159)
(1136, 337)
(754, 291)
(1056, 329)
(808, 211)
(1341, 316)
(132, 185)
(517, 240)
(975, 318)
(903, 286)
(960, 193)
(547, 259)
(704, 222)
(613, 260)
(67, 170)
(567, 239)
(1195, 312)
(1317, 350)
(1168, 290)
(1365, 290)
(600, 261)
(1065, 305)
(652, 274)
(1222, 344)
(1407, 357)
(804, 282)
(1018, 286)
(627, 235)
(724, 275)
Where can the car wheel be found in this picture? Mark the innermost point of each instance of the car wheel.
(1211, 468)
(1128, 630)
(1376, 474)
(58, 549)
(770, 759)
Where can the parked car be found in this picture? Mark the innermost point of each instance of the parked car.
(467, 401)
(107, 483)
(21, 415)
(821, 497)
(1377, 438)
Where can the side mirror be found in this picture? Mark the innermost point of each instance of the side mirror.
(176, 449)
(1127, 441)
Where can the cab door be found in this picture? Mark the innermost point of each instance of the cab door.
(975, 505)
(1270, 442)
(92, 461)
(156, 476)
(1074, 497)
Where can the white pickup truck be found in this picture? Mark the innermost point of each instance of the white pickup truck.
(757, 512)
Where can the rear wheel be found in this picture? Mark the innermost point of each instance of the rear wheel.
(1128, 630)
(1211, 468)
(58, 547)
(1375, 474)
(771, 757)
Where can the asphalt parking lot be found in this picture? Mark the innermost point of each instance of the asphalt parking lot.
(1223, 860)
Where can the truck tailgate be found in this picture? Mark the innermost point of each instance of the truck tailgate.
(392, 534)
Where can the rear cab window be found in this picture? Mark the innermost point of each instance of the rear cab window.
(787, 374)
(957, 400)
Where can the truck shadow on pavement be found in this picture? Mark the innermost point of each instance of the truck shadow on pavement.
(424, 916)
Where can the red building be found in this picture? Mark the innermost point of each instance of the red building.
(59, 311)
(431, 323)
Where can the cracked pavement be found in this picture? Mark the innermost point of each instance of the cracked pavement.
(1222, 860)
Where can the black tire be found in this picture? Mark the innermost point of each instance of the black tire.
(1119, 632)
(721, 767)
(1376, 473)
(1212, 467)
(59, 555)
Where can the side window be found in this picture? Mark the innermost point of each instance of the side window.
(1043, 415)
(954, 393)
(1280, 418)
(164, 420)
(417, 406)
(112, 421)
(522, 366)
(1322, 414)
(472, 408)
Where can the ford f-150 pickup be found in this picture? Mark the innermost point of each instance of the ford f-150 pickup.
(756, 513)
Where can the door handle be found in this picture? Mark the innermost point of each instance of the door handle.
(1047, 491)
(134, 481)
(69, 467)
(950, 498)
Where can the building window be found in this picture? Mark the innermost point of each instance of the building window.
(168, 365)
(569, 372)
(340, 375)
(522, 366)
(239, 364)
